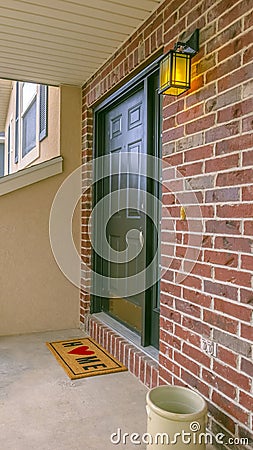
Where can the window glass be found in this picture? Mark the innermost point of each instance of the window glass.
(29, 129)
(29, 91)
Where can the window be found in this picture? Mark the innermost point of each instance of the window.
(30, 122)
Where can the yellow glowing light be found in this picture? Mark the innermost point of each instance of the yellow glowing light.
(175, 73)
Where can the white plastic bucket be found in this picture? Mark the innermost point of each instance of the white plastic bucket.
(177, 419)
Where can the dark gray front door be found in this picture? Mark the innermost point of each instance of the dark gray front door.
(125, 145)
(127, 131)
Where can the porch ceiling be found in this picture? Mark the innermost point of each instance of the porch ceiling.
(64, 41)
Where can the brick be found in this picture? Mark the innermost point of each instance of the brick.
(236, 77)
(247, 262)
(174, 160)
(247, 124)
(224, 68)
(173, 27)
(226, 356)
(192, 282)
(205, 64)
(187, 335)
(171, 366)
(166, 325)
(241, 312)
(184, 362)
(219, 428)
(235, 111)
(187, 308)
(190, 114)
(246, 296)
(191, 169)
(230, 408)
(247, 193)
(247, 332)
(169, 122)
(233, 343)
(190, 142)
(171, 340)
(173, 315)
(221, 417)
(197, 297)
(202, 270)
(196, 354)
(248, 20)
(220, 321)
(242, 210)
(222, 290)
(174, 133)
(243, 433)
(165, 375)
(237, 177)
(222, 100)
(200, 95)
(197, 15)
(195, 383)
(248, 227)
(203, 182)
(233, 276)
(225, 36)
(235, 45)
(170, 288)
(247, 158)
(232, 375)
(199, 153)
(200, 124)
(223, 226)
(218, 383)
(248, 55)
(236, 143)
(233, 13)
(197, 326)
(224, 131)
(247, 367)
(154, 377)
(227, 162)
(174, 108)
(207, 241)
(191, 4)
(234, 244)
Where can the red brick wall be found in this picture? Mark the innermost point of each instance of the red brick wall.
(207, 135)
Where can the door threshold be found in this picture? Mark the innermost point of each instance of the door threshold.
(129, 335)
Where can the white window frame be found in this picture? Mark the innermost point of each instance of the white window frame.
(34, 153)
(11, 144)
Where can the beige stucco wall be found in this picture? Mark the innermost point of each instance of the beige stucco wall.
(34, 294)
(49, 147)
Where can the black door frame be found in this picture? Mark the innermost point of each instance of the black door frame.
(150, 334)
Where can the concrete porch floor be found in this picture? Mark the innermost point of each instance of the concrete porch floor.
(41, 408)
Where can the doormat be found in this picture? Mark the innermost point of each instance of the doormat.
(83, 357)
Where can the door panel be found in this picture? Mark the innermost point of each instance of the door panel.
(124, 125)
(127, 131)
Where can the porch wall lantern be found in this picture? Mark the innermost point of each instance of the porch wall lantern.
(175, 67)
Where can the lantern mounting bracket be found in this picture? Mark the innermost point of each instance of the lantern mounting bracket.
(191, 46)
